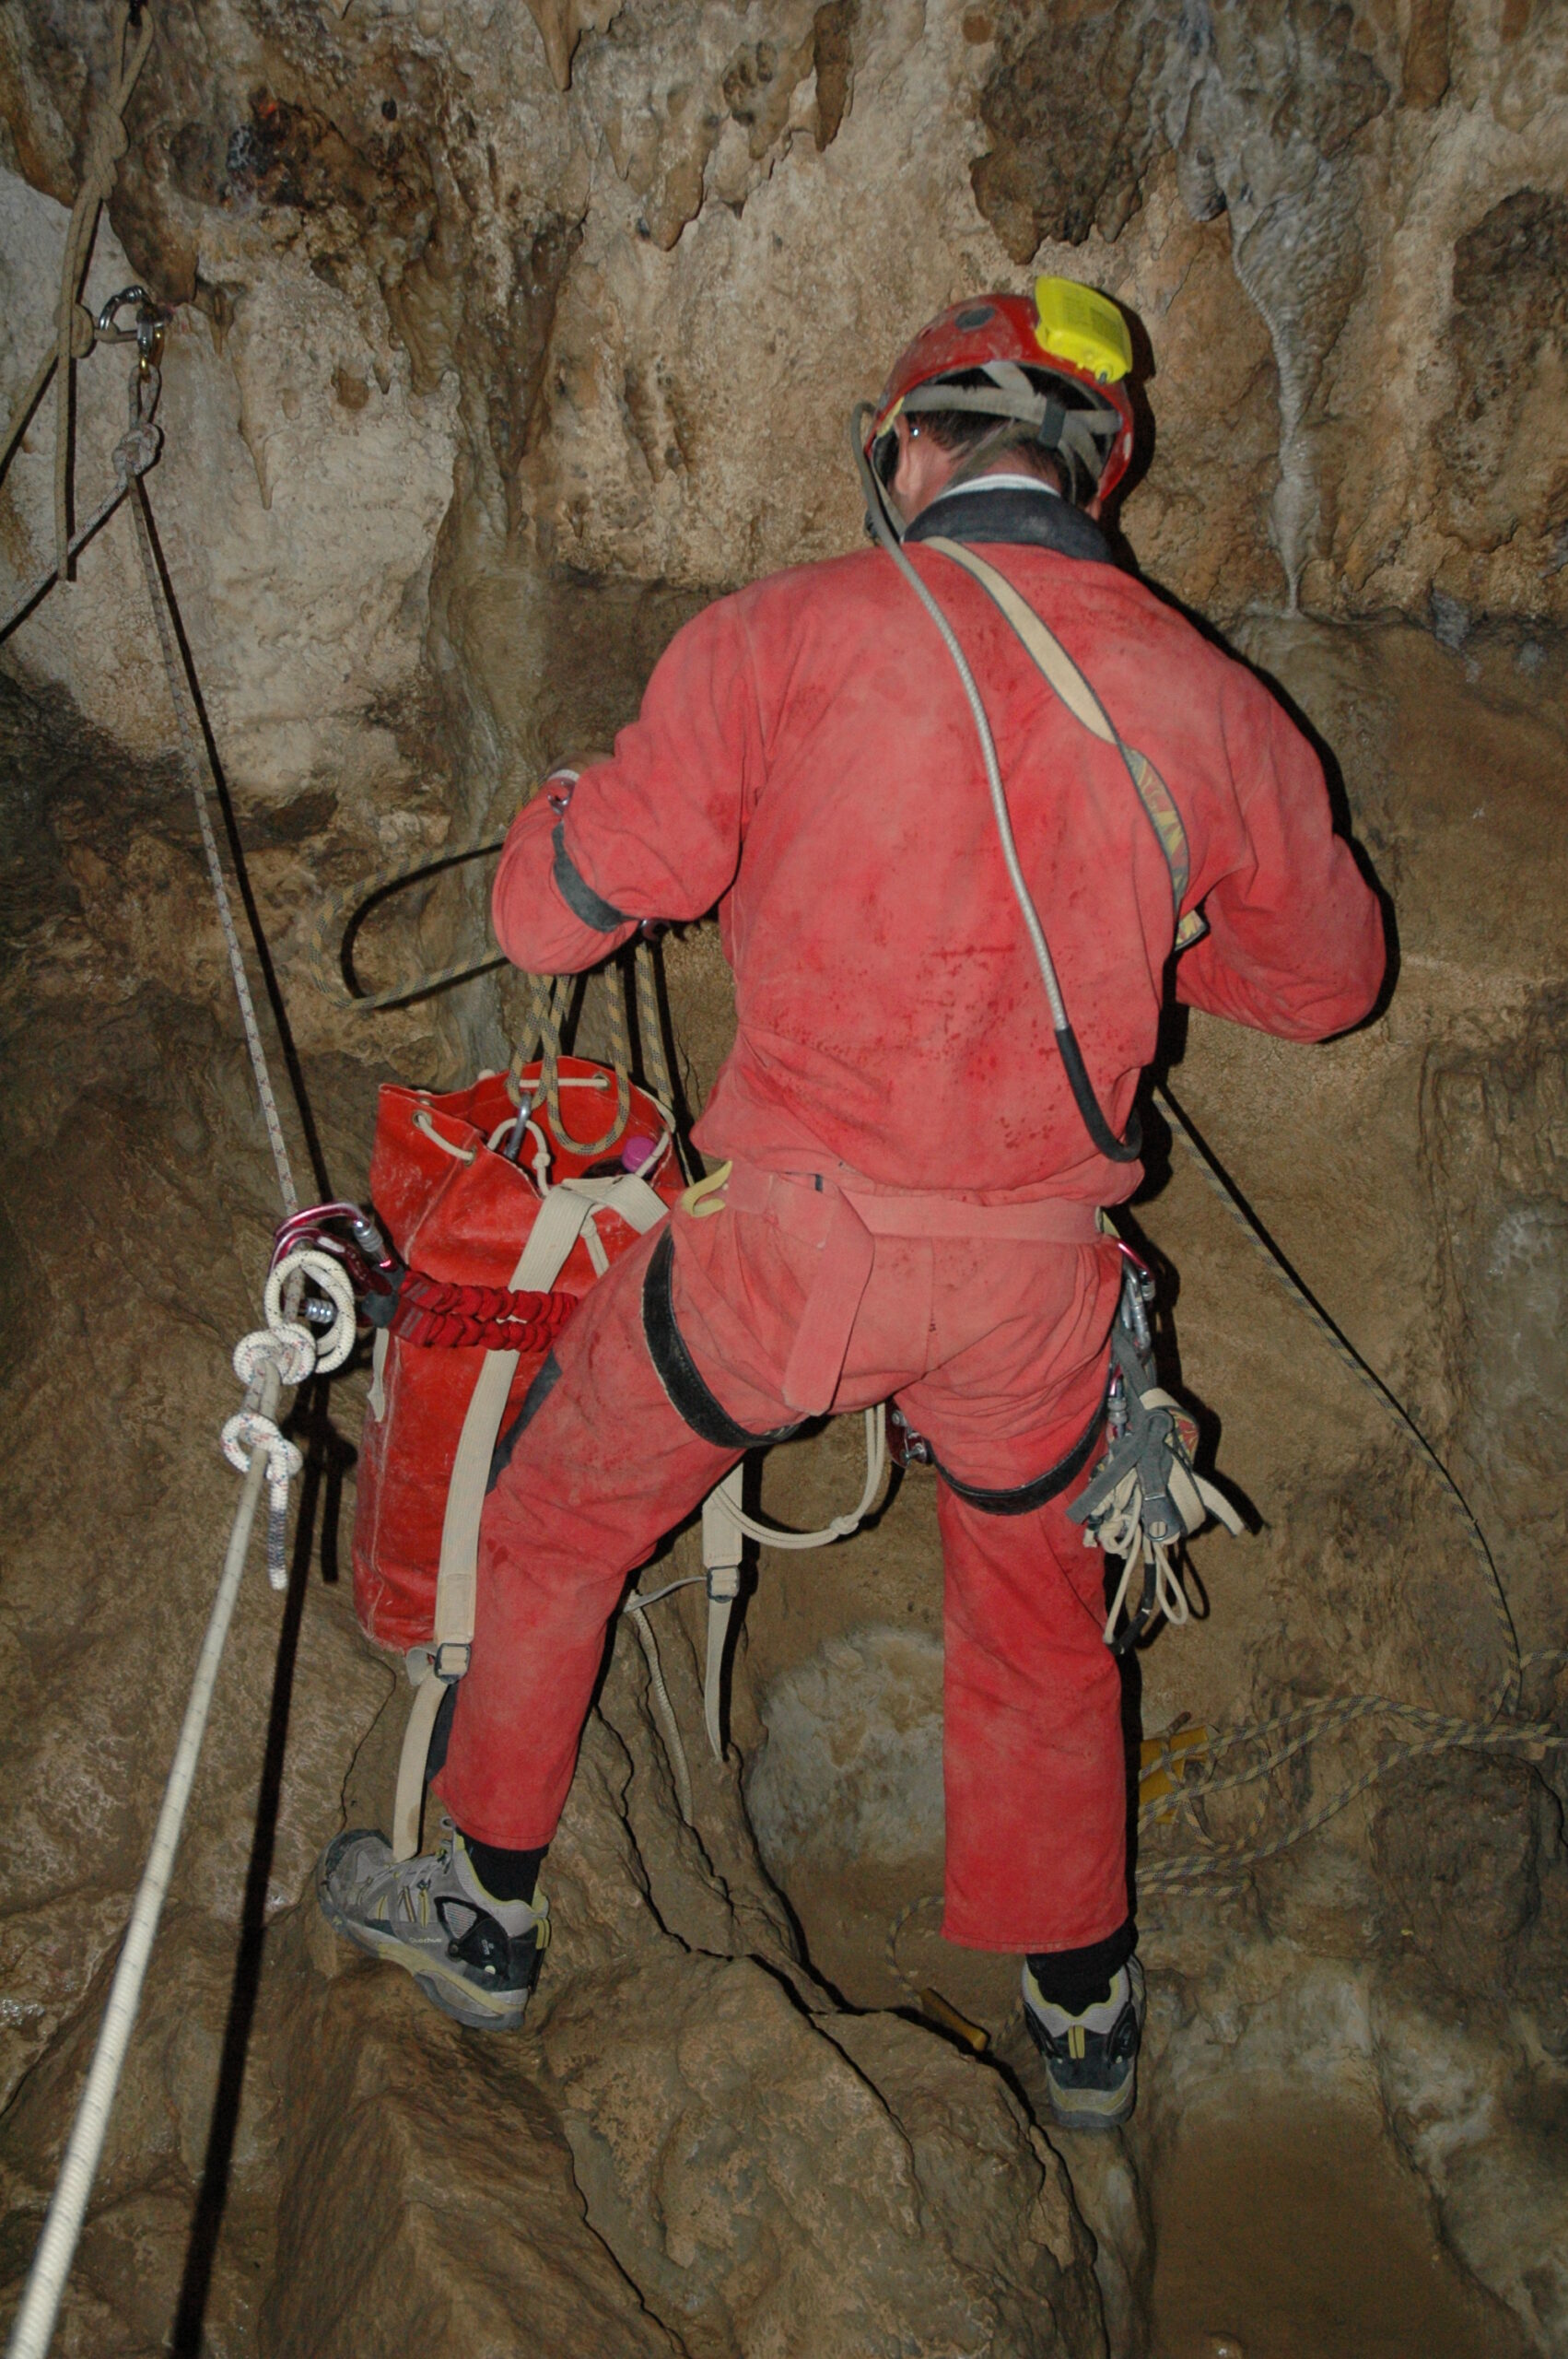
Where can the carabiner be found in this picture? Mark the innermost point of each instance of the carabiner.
(364, 1252)
(106, 323)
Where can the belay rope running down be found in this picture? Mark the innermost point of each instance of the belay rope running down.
(283, 1353)
(337, 1250)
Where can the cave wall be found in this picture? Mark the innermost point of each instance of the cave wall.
(502, 338)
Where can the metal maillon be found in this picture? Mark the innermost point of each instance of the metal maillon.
(146, 333)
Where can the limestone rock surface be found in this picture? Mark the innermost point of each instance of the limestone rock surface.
(500, 339)
(710, 2157)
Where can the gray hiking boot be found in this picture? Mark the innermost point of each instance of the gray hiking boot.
(473, 1956)
(1091, 2060)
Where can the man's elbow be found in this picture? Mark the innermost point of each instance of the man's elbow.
(536, 928)
(1347, 998)
(545, 940)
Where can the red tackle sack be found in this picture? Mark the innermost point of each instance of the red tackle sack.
(458, 1211)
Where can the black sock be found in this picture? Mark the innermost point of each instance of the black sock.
(1079, 1979)
(506, 1875)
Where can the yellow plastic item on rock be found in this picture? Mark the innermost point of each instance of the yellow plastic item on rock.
(937, 2010)
(1081, 325)
(1163, 1762)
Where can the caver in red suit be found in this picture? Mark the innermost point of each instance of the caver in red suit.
(911, 1212)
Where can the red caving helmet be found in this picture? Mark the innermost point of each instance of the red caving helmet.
(1056, 360)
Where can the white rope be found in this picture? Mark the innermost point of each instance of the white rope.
(721, 1504)
(282, 1353)
(56, 2247)
(331, 1350)
(639, 1598)
(423, 1123)
(197, 773)
(663, 1710)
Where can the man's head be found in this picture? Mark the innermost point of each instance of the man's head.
(1004, 381)
(940, 444)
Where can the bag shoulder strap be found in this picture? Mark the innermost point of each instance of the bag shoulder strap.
(1062, 676)
(567, 1213)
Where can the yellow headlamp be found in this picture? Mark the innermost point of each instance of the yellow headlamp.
(1081, 326)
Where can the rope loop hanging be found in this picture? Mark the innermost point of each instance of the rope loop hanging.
(550, 1000)
(75, 330)
(330, 948)
(330, 956)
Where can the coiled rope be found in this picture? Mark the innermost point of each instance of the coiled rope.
(1273, 1742)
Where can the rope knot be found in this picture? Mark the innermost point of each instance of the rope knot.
(135, 451)
(242, 1436)
(289, 1349)
(107, 140)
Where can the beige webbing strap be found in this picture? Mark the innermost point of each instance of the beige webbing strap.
(725, 1528)
(567, 1213)
(1049, 655)
(408, 1807)
(722, 1543)
(1053, 662)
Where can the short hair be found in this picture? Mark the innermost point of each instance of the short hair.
(963, 430)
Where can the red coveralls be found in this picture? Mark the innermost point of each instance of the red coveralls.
(805, 758)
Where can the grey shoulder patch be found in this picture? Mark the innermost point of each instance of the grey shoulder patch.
(579, 894)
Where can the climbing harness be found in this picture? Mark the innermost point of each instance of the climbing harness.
(1145, 1497)
(435, 1435)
